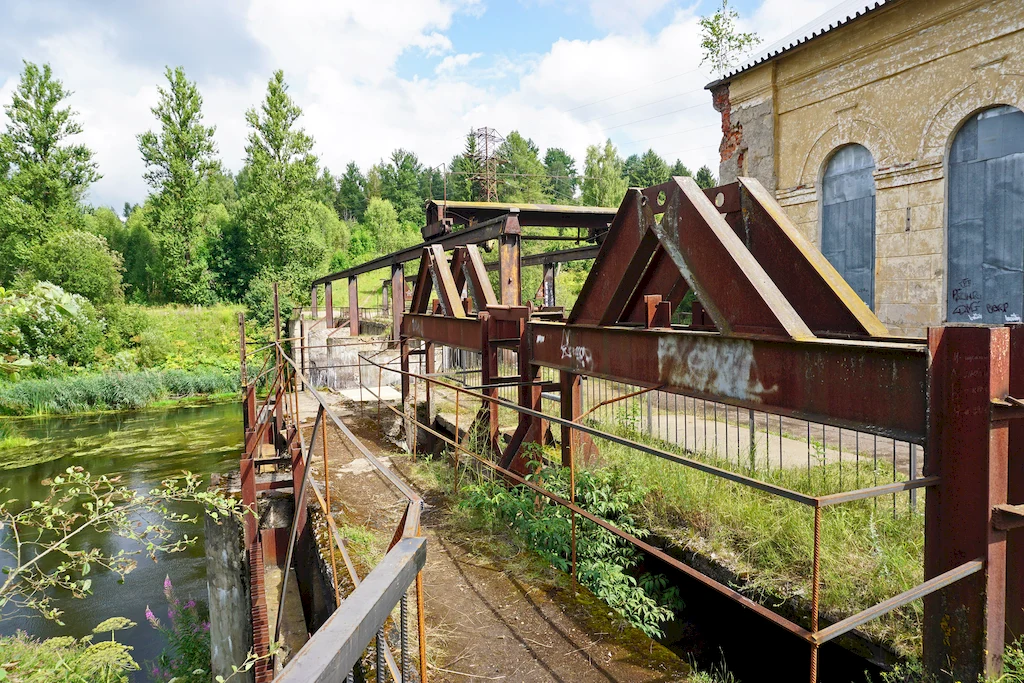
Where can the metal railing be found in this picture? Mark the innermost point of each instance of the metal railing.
(813, 636)
(278, 413)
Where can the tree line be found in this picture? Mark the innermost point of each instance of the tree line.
(204, 234)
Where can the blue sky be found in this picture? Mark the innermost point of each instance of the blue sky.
(373, 76)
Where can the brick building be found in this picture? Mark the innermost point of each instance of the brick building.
(892, 133)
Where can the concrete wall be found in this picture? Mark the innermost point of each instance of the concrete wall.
(899, 81)
(334, 348)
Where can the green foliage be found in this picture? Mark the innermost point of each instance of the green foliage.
(705, 179)
(81, 263)
(562, 178)
(186, 659)
(179, 163)
(606, 564)
(42, 176)
(48, 323)
(381, 223)
(679, 169)
(109, 391)
(647, 170)
(402, 183)
(603, 183)
(28, 660)
(464, 173)
(523, 176)
(721, 44)
(351, 200)
(38, 555)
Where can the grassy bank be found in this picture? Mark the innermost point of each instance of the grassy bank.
(111, 391)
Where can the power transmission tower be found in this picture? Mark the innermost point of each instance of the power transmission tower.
(487, 142)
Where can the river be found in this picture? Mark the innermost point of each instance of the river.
(144, 447)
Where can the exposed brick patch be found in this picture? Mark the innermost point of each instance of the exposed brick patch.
(732, 135)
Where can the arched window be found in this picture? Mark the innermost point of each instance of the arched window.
(986, 219)
(848, 218)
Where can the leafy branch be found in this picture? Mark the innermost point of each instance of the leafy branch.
(39, 539)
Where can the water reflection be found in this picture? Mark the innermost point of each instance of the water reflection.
(143, 448)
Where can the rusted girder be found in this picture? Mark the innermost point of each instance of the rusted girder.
(875, 387)
(462, 333)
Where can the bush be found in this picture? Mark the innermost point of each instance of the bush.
(606, 564)
(64, 658)
(48, 323)
(81, 263)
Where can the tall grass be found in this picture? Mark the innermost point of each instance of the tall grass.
(110, 391)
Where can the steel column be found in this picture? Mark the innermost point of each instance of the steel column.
(570, 407)
(1015, 494)
(549, 284)
(397, 301)
(329, 306)
(967, 450)
(508, 263)
(353, 306)
(313, 302)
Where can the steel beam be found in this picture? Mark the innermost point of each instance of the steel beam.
(462, 333)
(875, 387)
(397, 301)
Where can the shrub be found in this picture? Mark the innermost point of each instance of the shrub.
(64, 658)
(81, 263)
(47, 322)
(606, 564)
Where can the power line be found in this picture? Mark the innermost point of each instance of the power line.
(641, 106)
(658, 116)
(642, 87)
(678, 132)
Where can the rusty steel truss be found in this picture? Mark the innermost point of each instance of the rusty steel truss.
(775, 328)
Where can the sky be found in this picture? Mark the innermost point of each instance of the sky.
(375, 75)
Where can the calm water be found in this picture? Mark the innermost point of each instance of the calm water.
(144, 447)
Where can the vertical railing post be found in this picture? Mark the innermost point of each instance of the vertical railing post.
(429, 371)
(488, 375)
(353, 306)
(967, 450)
(243, 373)
(302, 351)
(277, 329)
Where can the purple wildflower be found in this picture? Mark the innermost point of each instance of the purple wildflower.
(206, 626)
(151, 618)
(190, 604)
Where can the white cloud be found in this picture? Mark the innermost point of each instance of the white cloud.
(641, 88)
(624, 17)
(453, 62)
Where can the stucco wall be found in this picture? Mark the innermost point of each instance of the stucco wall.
(899, 81)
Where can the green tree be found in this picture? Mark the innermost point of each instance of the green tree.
(720, 42)
(400, 179)
(522, 176)
(464, 174)
(382, 224)
(43, 176)
(705, 178)
(646, 170)
(179, 163)
(679, 169)
(81, 263)
(562, 178)
(278, 204)
(603, 184)
(351, 199)
(141, 253)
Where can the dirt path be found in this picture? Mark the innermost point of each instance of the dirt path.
(491, 614)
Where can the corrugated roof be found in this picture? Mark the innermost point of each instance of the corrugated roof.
(840, 15)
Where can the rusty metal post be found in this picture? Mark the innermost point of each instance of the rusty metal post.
(353, 306)
(302, 349)
(397, 301)
(429, 371)
(488, 373)
(329, 305)
(1015, 494)
(815, 591)
(571, 408)
(313, 302)
(249, 407)
(509, 243)
(548, 283)
(967, 450)
(241, 350)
